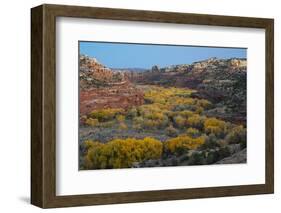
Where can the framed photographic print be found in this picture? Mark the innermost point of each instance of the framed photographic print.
(136, 106)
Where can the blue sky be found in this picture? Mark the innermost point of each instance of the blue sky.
(124, 55)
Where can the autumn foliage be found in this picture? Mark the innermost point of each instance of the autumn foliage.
(121, 153)
(170, 111)
(183, 143)
(105, 114)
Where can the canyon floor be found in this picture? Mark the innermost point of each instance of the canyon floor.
(175, 116)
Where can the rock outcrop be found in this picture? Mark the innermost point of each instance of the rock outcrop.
(239, 157)
(221, 81)
(100, 88)
(94, 74)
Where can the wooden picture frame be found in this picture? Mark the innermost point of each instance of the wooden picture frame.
(43, 105)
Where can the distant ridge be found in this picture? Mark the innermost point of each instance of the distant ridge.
(133, 69)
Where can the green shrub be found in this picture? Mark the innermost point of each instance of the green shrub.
(197, 158)
(211, 142)
(215, 126)
(212, 157)
(199, 110)
(243, 144)
(132, 113)
(196, 121)
(107, 124)
(120, 118)
(223, 153)
(203, 103)
(192, 132)
(105, 114)
(171, 131)
(179, 121)
(92, 122)
(185, 113)
(183, 143)
(237, 135)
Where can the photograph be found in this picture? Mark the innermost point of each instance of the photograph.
(154, 105)
(145, 105)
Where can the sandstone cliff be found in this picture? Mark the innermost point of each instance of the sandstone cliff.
(221, 81)
(100, 87)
